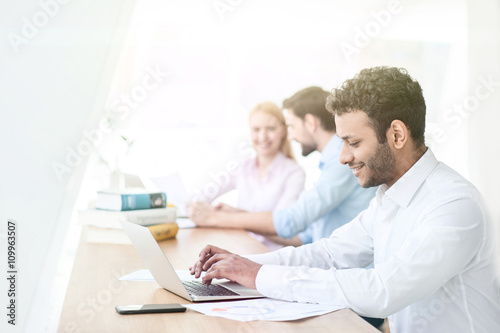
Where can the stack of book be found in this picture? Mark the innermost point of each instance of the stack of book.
(147, 209)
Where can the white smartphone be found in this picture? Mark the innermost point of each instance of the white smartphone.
(149, 308)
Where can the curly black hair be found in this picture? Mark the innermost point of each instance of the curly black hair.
(384, 94)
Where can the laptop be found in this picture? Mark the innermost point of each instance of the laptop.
(165, 275)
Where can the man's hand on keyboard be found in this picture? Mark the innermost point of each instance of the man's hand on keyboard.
(208, 252)
(219, 264)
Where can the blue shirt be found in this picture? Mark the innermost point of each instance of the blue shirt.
(336, 199)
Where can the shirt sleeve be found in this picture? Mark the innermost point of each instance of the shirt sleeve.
(334, 185)
(325, 272)
(294, 185)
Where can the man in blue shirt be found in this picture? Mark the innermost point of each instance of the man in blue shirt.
(334, 200)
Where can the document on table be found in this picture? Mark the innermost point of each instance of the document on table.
(185, 223)
(142, 275)
(262, 309)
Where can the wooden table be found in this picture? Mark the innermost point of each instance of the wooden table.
(95, 289)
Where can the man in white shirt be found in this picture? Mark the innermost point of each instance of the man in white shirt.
(426, 231)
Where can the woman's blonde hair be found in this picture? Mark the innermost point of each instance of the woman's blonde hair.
(273, 110)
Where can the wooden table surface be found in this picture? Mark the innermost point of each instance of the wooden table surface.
(95, 289)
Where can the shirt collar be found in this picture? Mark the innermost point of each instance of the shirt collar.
(405, 188)
(331, 151)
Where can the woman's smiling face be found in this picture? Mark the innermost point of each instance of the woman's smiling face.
(267, 134)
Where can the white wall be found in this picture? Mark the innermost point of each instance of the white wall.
(51, 64)
(484, 120)
(219, 68)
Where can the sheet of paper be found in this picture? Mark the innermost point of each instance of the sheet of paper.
(185, 223)
(262, 309)
(142, 275)
(174, 187)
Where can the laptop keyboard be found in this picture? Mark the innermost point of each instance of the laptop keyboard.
(196, 288)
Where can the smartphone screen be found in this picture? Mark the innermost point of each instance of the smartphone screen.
(149, 308)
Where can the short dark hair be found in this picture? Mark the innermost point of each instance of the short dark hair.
(311, 100)
(384, 94)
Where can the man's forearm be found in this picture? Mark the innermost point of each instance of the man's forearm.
(261, 222)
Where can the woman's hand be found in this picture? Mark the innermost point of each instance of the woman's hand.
(201, 213)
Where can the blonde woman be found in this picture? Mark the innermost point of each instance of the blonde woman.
(272, 179)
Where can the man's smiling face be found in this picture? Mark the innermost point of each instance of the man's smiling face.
(371, 162)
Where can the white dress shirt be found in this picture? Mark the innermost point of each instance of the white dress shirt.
(432, 248)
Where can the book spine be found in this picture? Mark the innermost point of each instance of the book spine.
(144, 201)
(164, 231)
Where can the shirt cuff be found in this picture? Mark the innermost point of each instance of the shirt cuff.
(306, 236)
(280, 224)
(270, 283)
